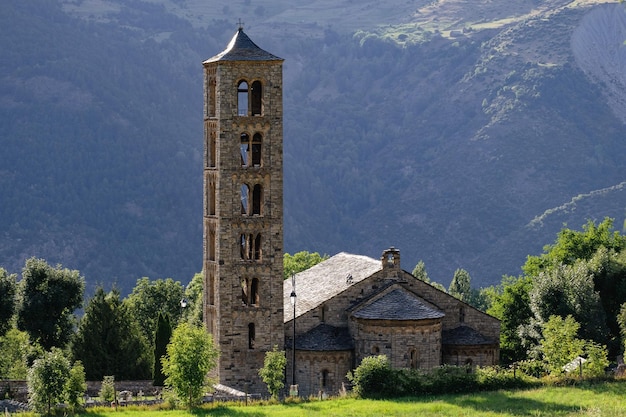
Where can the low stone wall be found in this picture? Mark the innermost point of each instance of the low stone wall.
(14, 390)
(18, 389)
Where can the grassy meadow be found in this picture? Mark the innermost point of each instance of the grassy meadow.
(602, 399)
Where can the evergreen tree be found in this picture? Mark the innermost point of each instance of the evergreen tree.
(109, 342)
(460, 285)
(161, 339)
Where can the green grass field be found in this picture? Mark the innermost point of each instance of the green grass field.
(605, 399)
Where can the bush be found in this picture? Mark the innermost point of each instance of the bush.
(447, 379)
(374, 378)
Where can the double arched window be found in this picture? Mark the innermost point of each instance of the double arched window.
(249, 98)
(250, 291)
(250, 150)
(251, 201)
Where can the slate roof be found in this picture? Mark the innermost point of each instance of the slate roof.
(398, 304)
(324, 338)
(326, 280)
(464, 335)
(241, 48)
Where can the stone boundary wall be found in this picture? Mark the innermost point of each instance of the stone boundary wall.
(18, 389)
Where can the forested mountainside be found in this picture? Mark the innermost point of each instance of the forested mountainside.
(464, 133)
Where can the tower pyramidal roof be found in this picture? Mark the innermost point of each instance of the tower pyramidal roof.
(241, 48)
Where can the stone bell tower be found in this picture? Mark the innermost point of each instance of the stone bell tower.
(243, 208)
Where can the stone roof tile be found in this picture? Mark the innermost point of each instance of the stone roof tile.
(398, 304)
(326, 280)
(241, 48)
(324, 338)
(464, 335)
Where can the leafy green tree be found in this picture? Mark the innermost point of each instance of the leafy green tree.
(76, 386)
(47, 301)
(161, 339)
(47, 380)
(7, 300)
(107, 389)
(460, 286)
(571, 245)
(300, 261)
(191, 354)
(109, 341)
(512, 306)
(273, 371)
(13, 348)
(560, 346)
(149, 298)
(570, 290)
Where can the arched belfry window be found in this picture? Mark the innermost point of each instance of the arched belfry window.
(245, 193)
(254, 292)
(257, 196)
(244, 149)
(256, 98)
(257, 141)
(242, 98)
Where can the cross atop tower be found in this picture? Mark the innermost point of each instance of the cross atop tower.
(240, 24)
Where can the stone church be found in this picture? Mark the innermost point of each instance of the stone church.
(347, 307)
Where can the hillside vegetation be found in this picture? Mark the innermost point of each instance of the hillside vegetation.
(463, 133)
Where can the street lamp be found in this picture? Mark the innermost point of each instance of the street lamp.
(292, 297)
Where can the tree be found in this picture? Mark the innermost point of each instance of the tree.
(570, 290)
(161, 339)
(7, 300)
(107, 388)
(193, 295)
(273, 371)
(560, 346)
(512, 306)
(47, 301)
(109, 341)
(420, 273)
(571, 245)
(460, 285)
(75, 386)
(13, 349)
(47, 380)
(191, 354)
(149, 298)
(301, 261)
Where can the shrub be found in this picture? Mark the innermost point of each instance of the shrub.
(447, 379)
(374, 378)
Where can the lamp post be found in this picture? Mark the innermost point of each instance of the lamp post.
(292, 297)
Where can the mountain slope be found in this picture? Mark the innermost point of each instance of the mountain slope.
(465, 133)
